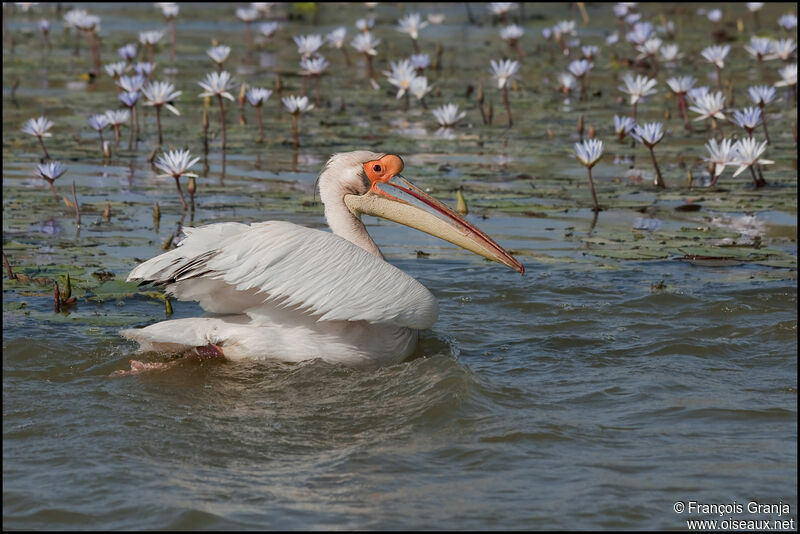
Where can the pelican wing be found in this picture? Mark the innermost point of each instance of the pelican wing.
(265, 267)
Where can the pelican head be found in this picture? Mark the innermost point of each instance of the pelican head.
(371, 183)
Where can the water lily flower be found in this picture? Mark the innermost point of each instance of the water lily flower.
(697, 93)
(681, 86)
(131, 83)
(759, 48)
(420, 62)
(89, 25)
(308, 45)
(314, 68)
(257, 97)
(50, 171)
(129, 100)
(640, 33)
(512, 34)
(783, 49)
(710, 106)
(720, 155)
(566, 82)
(747, 154)
(296, 105)
(336, 39)
(412, 24)
(754, 6)
(160, 94)
(366, 43)
(650, 134)
(169, 9)
(589, 52)
(44, 29)
(623, 126)
(747, 118)
(788, 75)
(127, 52)
(247, 15)
(365, 25)
(761, 95)
(116, 118)
(589, 153)
(401, 75)
(448, 115)
(621, 9)
(649, 48)
(580, 69)
(268, 29)
(436, 18)
(115, 70)
(218, 84)
(500, 8)
(150, 39)
(638, 88)
(788, 22)
(219, 54)
(144, 69)
(504, 70)
(99, 123)
(39, 128)
(176, 163)
(716, 55)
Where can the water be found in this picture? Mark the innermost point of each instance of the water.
(592, 393)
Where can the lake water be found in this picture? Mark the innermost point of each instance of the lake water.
(645, 358)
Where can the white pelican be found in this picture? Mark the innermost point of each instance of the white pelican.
(281, 291)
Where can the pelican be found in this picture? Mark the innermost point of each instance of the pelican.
(276, 290)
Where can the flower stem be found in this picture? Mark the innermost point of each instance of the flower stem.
(260, 125)
(508, 106)
(684, 112)
(764, 123)
(41, 142)
(102, 147)
(52, 189)
(133, 119)
(180, 191)
(596, 206)
(756, 183)
(659, 181)
(158, 121)
(295, 130)
(222, 121)
(635, 105)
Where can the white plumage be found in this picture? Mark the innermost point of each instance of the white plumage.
(278, 290)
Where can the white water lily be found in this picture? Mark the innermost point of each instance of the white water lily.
(716, 54)
(504, 70)
(268, 29)
(411, 24)
(115, 70)
(761, 94)
(589, 152)
(38, 127)
(246, 14)
(50, 170)
(638, 87)
(670, 52)
(127, 52)
(313, 67)
(649, 134)
(308, 45)
(709, 105)
(783, 49)
(420, 61)
(788, 22)
(623, 125)
(217, 84)
(219, 54)
(257, 96)
(150, 37)
(160, 94)
(175, 163)
(419, 87)
(131, 83)
(681, 84)
(297, 104)
(336, 37)
(580, 67)
(720, 154)
(759, 47)
(748, 152)
(448, 114)
(511, 32)
(748, 118)
(117, 116)
(99, 122)
(144, 68)
(566, 81)
(366, 43)
(789, 75)
(401, 75)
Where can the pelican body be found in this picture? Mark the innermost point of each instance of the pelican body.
(276, 290)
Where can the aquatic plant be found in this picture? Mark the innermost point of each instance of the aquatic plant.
(99, 123)
(419, 88)
(336, 39)
(50, 171)
(150, 39)
(650, 134)
(268, 29)
(789, 79)
(623, 126)
(589, 153)
(448, 115)
(412, 24)
(710, 106)
(247, 15)
(747, 154)
(170, 11)
(748, 118)
(218, 55)
(116, 69)
(580, 69)
(217, 84)
(365, 25)
(39, 128)
(566, 82)
(505, 70)
(116, 118)
(420, 62)
(782, 49)
(720, 155)
(308, 45)
(88, 24)
(160, 94)
(638, 88)
(257, 97)
(129, 100)
(128, 52)
(401, 75)
(512, 34)
(366, 43)
(681, 86)
(716, 55)
(176, 163)
(761, 95)
(144, 69)
(296, 105)
(44, 29)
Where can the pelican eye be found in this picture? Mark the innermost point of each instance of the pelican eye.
(376, 168)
